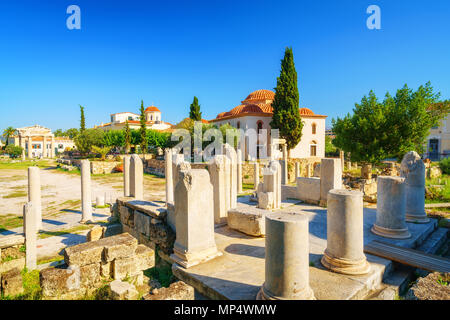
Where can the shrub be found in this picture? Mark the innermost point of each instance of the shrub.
(13, 151)
(444, 164)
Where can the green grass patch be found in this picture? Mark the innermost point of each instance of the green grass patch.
(32, 288)
(162, 274)
(248, 186)
(438, 194)
(10, 221)
(25, 164)
(47, 234)
(16, 194)
(50, 259)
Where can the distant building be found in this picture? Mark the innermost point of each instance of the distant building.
(152, 116)
(255, 112)
(438, 141)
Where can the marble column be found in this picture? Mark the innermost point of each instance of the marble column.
(284, 166)
(287, 258)
(297, 170)
(391, 208)
(239, 170)
(34, 194)
(413, 169)
(345, 241)
(231, 162)
(126, 176)
(86, 194)
(44, 147)
(308, 170)
(30, 147)
(30, 231)
(52, 146)
(136, 177)
(341, 156)
(270, 196)
(256, 175)
(22, 145)
(194, 207)
(330, 177)
(168, 176)
(216, 169)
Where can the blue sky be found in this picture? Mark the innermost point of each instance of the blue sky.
(165, 52)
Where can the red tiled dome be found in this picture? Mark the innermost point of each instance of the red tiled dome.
(152, 109)
(251, 108)
(306, 112)
(260, 95)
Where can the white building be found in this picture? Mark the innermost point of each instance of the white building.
(438, 141)
(152, 117)
(256, 112)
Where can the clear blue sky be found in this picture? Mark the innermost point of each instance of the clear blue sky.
(165, 52)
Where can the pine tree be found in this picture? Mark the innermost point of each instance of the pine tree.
(143, 129)
(194, 112)
(82, 120)
(127, 137)
(286, 115)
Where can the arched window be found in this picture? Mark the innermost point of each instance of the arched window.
(259, 125)
(314, 128)
(238, 124)
(313, 149)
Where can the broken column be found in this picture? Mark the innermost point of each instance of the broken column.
(413, 170)
(341, 156)
(308, 170)
(168, 176)
(287, 258)
(231, 163)
(366, 171)
(30, 231)
(391, 208)
(136, 178)
(194, 206)
(297, 170)
(216, 170)
(126, 176)
(330, 177)
(239, 170)
(178, 165)
(270, 196)
(284, 166)
(34, 194)
(345, 242)
(256, 175)
(86, 196)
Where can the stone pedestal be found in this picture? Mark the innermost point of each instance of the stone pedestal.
(194, 208)
(413, 169)
(330, 177)
(287, 258)
(270, 196)
(30, 231)
(100, 201)
(391, 208)
(345, 242)
(239, 170)
(126, 176)
(216, 170)
(168, 175)
(136, 177)
(34, 194)
(255, 175)
(86, 195)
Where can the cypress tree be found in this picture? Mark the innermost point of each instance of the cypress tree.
(286, 115)
(194, 112)
(127, 137)
(82, 120)
(143, 129)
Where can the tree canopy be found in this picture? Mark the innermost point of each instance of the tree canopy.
(8, 132)
(194, 111)
(390, 128)
(143, 129)
(286, 116)
(82, 119)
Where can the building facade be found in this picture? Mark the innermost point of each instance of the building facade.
(438, 141)
(255, 112)
(152, 116)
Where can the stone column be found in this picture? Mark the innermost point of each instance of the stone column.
(239, 170)
(86, 195)
(298, 170)
(391, 208)
(413, 169)
(34, 194)
(126, 176)
(284, 166)
(30, 142)
(341, 156)
(136, 177)
(308, 170)
(30, 231)
(194, 207)
(270, 197)
(256, 175)
(366, 171)
(216, 168)
(330, 177)
(44, 147)
(168, 176)
(22, 145)
(345, 242)
(287, 258)
(52, 146)
(231, 162)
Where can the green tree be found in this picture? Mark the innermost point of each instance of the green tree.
(194, 112)
(286, 115)
(127, 136)
(71, 133)
(330, 149)
(88, 138)
(82, 119)
(58, 133)
(102, 151)
(13, 151)
(390, 128)
(143, 129)
(8, 132)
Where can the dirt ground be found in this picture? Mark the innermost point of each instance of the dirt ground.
(61, 192)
